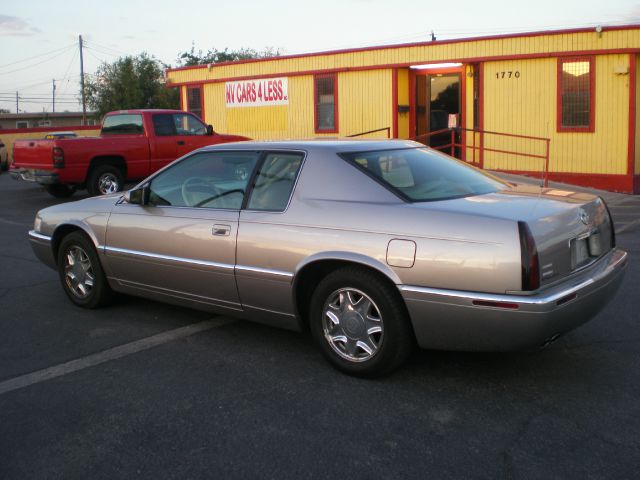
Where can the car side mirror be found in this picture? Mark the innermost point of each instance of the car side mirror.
(209, 129)
(137, 196)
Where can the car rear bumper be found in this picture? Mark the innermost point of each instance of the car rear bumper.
(470, 321)
(43, 177)
(41, 245)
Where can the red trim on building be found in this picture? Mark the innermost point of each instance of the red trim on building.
(631, 150)
(68, 128)
(394, 102)
(525, 56)
(463, 111)
(481, 111)
(614, 183)
(592, 95)
(336, 123)
(412, 104)
(417, 44)
(198, 86)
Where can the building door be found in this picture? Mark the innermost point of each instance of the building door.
(437, 106)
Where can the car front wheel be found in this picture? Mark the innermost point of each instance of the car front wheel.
(360, 322)
(80, 272)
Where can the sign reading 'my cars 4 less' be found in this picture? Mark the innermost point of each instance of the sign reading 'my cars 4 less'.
(257, 93)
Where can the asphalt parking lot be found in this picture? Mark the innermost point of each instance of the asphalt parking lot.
(146, 390)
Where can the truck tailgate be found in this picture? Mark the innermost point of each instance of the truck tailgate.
(33, 154)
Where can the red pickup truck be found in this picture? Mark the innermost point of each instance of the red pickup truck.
(131, 145)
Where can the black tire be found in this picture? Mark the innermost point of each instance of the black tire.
(104, 179)
(78, 246)
(59, 190)
(392, 345)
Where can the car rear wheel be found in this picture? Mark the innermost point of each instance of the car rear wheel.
(59, 191)
(360, 322)
(80, 272)
(104, 179)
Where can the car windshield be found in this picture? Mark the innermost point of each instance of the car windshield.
(422, 174)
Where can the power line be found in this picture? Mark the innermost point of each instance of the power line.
(37, 56)
(35, 64)
(104, 47)
(89, 51)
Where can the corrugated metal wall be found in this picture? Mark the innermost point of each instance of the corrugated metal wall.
(527, 106)
(637, 152)
(364, 103)
(436, 52)
(525, 103)
(403, 99)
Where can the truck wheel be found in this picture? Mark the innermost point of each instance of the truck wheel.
(81, 274)
(360, 323)
(104, 179)
(59, 191)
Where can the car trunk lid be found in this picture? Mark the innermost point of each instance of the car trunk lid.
(571, 230)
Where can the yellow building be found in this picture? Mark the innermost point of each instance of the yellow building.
(558, 101)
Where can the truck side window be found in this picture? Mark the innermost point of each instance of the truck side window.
(123, 124)
(187, 124)
(163, 125)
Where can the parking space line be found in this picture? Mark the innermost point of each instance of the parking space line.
(110, 354)
(12, 222)
(627, 226)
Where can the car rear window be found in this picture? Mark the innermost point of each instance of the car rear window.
(124, 124)
(422, 175)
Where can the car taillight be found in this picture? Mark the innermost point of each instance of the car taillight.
(58, 157)
(613, 228)
(529, 258)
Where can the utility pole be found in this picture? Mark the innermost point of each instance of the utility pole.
(17, 104)
(84, 105)
(54, 95)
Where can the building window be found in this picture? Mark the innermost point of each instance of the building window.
(89, 121)
(194, 100)
(44, 123)
(576, 94)
(22, 124)
(326, 103)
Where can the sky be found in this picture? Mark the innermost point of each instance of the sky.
(39, 39)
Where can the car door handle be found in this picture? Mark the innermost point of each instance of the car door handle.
(221, 230)
(180, 142)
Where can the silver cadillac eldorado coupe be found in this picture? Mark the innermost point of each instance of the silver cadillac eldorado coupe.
(371, 245)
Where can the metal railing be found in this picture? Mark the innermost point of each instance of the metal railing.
(481, 148)
(387, 129)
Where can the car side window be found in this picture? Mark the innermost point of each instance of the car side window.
(274, 182)
(187, 124)
(205, 180)
(163, 125)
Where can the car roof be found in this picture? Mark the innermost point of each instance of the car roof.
(336, 145)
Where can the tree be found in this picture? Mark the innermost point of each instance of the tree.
(218, 56)
(130, 82)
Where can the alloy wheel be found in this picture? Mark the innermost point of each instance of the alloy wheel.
(78, 272)
(352, 325)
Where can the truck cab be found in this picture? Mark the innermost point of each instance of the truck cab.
(132, 145)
